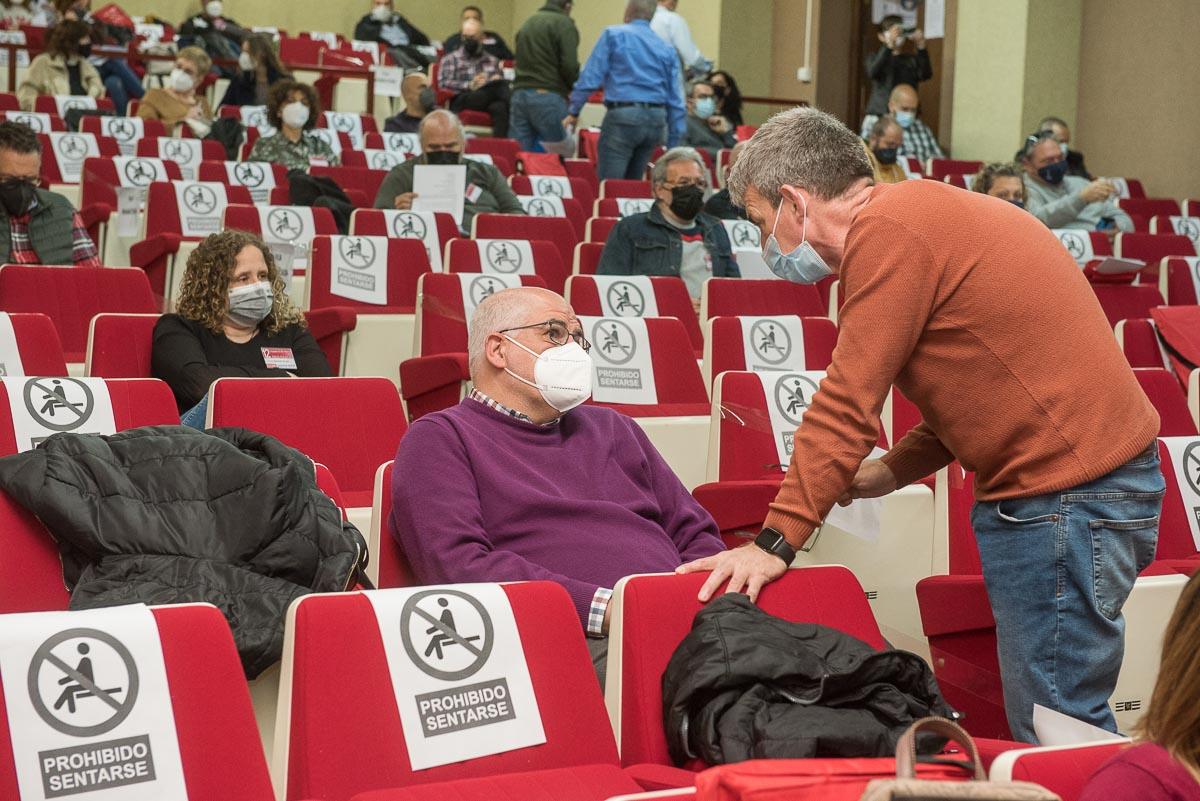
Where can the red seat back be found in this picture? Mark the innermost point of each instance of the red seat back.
(361, 179)
(441, 317)
(587, 257)
(507, 149)
(466, 256)
(742, 297)
(37, 344)
(657, 613)
(621, 206)
(1124, 302)
(940, 168)
(361, 422)
(1153, 248)
(1182, 274)
(622, 187)
(581, 190)
(558, 230)
(670, 296)
(582, 168)
(378, 222)
(728, 352)
(394, 570)
(1174, 534)
(71, 296)
(1164, 391)
(1063, 771)
(677, 378)
(162, 206)
(72, 146)
(100, 179)
(406, 263)
(1149, 206)
(1139, 342)
(334, 755)
(598, 228)
(121, 345)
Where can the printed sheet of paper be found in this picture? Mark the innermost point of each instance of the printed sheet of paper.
(440, 187)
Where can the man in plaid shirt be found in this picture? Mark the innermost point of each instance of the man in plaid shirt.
(919, 141)
(477, 79)
(36, 226)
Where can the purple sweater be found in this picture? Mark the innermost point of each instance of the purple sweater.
(1145, 772)
(478, 496)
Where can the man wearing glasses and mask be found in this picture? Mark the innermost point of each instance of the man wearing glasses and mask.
(518, 484)
(675, 237)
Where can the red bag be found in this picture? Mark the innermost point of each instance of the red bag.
(113, 14)
(1179, 330)
(540, 164)
(806, 779)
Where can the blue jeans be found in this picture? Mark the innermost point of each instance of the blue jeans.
(121, 82)
(1058, 568)
(628, 138)
(195, 416)
(536, 117)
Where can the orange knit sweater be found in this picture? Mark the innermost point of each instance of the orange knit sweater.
(976, 312)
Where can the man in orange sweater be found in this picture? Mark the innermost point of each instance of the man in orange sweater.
(972, 308)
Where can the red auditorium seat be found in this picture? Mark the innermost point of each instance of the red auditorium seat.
(621, 206)
(406, 225)
(580, 189)
(725, 345)
(435, 378)
(558, 230)
(39, 123)
(477, 256)
(912, 166)
(587, 258)
(257, 176)
(1148, 207)
(37, 345)
(1139, 342)
(163, 253)
(507, 149)
(742, 297)
(98, 188)
(680, 386)
(336, 756)
(623, 298)
(373, 158)
(938, 169)
(1174, 224)
(582, 168)
(407, 145)
(572, 209)
(1177, 550)
(1164, 391)
(388, 567)
(63, 155)
(219, 748)
(9, 102)
(361, 422)
(354, 126)
(125, 131)
(1121, 302)
(961, 180)
(622, 187)
(187, 153)
(1062, 769)
(359, 183)
(71, 296)
(59, 105)
(598, 228)
(1178, 280)
(407, 262)
(1152, 248)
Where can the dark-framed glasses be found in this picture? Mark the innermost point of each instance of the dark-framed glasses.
(557, 332)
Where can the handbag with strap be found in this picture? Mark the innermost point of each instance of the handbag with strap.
(907, 786)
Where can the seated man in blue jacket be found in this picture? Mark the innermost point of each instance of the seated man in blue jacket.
(675, 237)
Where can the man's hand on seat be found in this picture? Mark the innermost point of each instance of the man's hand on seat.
(748, 568)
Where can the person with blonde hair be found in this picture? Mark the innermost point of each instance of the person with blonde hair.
(1164, 763)
(233, 319)
(1001, 179)
(178, 102)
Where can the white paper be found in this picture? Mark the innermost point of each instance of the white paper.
(358, 268)
(38, 121)
(347, 123)
(130, 200)
(417, 225)
(1054, 728)
(292, 226)
(482, 158)
(150, 31)
(457, 647)
(884, 8)
(126, 130)
(1185, 458)
(1077, 242)
(370, 48)
(70, 149)
(773, 343)
(536, 206)
(475, 288)
(201, 206)
(440, 187)
(550, 186)
(505, 256)
(257, 176)
(44, 406)
(628, 206)
(383, 159)
(935, 19)
(14, 37)
(84, 686)
(328, 37)
(743, 235)
(1114, 266)
(65, 103)
(626, 295)
(406, 144)
(387, 80)
(10, 354)
(187, 153)
(622, 370)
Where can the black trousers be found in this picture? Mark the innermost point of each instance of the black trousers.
(491, 97)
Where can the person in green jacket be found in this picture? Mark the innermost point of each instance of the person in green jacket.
(442, 142)
(547, 66)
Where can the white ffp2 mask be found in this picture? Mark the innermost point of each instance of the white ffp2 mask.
(562, 374)
(294, 115)
(181, 81)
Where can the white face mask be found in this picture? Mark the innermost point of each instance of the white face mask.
(381, 13)
(213, 8)
(803, 265)
(181, 81)
(294, 115)
(562, 374)
(245, 61)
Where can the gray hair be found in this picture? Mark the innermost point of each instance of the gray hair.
(801, 147)
(692, 86)
(442, 114)
(882, 125)
(504, 309)
(658, 175)
(641, 9)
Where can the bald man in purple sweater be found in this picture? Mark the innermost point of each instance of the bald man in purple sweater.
(508, 487)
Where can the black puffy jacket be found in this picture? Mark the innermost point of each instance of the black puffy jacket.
(167, 514)
(746, 685)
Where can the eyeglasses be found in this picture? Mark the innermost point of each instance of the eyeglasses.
(680, 184)
(557, 332)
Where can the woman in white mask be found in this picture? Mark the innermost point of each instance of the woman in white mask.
(178, 102)
(234, 319)
(294, 109)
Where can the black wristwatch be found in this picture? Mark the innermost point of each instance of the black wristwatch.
(773, 542)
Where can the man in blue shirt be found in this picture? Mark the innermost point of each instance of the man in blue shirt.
(639, 73)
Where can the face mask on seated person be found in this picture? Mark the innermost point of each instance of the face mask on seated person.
(803, 265)
(1053, 174)
(214, 8)
(442, 157)
(245, 61)
(381, 13)
(886, 155)
(294, 115)
(472, 47)
(686, 201)
(427, 100)
(16, 196)
(250, 305)
(562, 375)
(706, 107)
(181, 81)
(905, 118)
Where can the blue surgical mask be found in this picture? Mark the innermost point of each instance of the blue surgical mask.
(706, 107)
(1064, 148)
(803, 265)
(1053, 174)
(905, 118)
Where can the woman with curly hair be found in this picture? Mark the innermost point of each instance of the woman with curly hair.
(1003, 180)
(234, 320)
(293, 108)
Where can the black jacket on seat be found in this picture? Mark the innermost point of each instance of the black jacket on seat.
(746, 685)
(166, 514)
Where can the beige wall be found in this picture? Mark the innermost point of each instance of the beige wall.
(1052, 35)
(989, 78)
(1138, 105)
